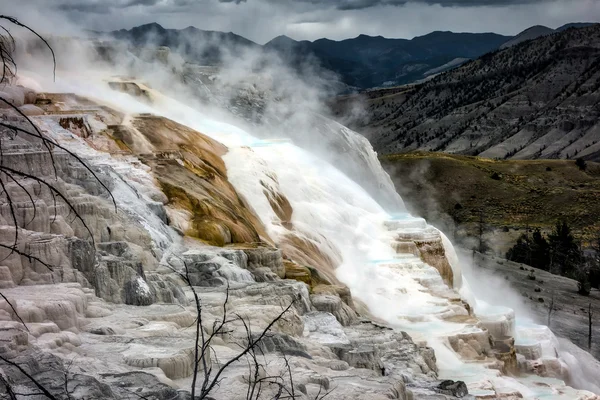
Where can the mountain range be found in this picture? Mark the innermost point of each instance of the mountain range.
(360, 63)
(535, 99)
(368, 61)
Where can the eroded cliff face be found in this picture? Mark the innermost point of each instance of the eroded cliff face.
(102, 302)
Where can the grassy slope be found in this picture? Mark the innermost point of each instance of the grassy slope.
(527, 194)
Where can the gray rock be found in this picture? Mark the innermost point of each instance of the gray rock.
(282, 343)
(166, 289)
(55, 375)
(159, 209)
(122, 281)
(138, 293)
(325, 328)
(103, 330)
(117, 249)
(138, 384)
(365, 356)
(50, 372)
(457, 389)
(265, 257)
(333, 304)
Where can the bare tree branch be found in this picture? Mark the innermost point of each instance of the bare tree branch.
(9, 390)
(8, 170)
(31, 378)
(16, 22)
(15, 311)
(250, 346)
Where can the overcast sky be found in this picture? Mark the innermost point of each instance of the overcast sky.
(262, 20)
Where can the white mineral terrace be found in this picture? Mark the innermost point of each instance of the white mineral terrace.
(340, 217)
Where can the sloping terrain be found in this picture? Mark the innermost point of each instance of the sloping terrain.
(539, 99)
(114, 318)
(512, 195)
(211, 218)
(528, 34)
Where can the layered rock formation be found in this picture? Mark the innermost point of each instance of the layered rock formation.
(104, 312)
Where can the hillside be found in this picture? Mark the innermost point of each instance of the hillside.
(179, 251)
(451, 189)
(528, 34)
(538, 99)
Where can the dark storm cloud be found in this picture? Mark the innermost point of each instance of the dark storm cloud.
(101, 6)
(362, 4)
(104, 6)
(262, 20)
(90, 7)
(132, 3)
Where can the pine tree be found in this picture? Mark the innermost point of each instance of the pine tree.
(521, 251)
(559, 254)
(531, 250)
(540, 251)
(565, 256)
(594, 261)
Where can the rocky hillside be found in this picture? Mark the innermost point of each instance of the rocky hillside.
(538, 99)
(111, 315)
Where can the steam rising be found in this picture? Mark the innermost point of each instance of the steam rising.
(343, 202)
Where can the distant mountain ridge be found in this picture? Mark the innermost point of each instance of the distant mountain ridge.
(362, 62)
(537, 31)
(528, 34)
(372, 61)
(196, 45)
(537, 99)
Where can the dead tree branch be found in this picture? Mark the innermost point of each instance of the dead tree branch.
(9, 173)
(31, 378)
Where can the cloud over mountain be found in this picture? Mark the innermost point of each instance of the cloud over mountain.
(262, 20)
